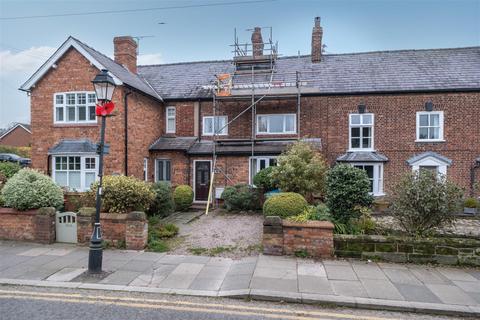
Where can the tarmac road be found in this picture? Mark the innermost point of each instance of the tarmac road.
(31, 303)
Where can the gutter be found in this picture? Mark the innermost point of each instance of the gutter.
(472, 176)
(125, 102)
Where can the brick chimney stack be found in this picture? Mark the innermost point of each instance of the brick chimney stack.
(257, 42)
(125, 51)
(317, 34)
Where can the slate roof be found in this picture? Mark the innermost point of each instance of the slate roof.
(73, 146)
(362, 156)
(173, 143)
(260, 148)
(382, 71)
(427, 154)
(133, 80)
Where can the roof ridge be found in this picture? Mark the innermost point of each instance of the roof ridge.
(308, 55)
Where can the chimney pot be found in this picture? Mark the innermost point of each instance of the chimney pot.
(317, 34)
(125, 52)
(257, 42)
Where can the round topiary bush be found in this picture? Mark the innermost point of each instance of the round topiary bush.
(163, 203)
(284, 205)
(183, 197)
(30, 189)
(241, 197)
(123, 194)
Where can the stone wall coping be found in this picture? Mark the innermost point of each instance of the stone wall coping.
(11, 211)
(309, 224)
(137, 216)
(112, 216)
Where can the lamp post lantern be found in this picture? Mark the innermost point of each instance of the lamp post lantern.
(104, 88)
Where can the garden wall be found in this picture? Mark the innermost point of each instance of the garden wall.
(121, 230)
(441, 250)
(32, 225)
(311, 238)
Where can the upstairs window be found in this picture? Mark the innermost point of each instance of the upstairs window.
(429, 126)
(277, 124)
(74, 107)
(220, 125)
(361, 131)
(170, 113)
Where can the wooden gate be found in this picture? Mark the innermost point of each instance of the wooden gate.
(66, 227)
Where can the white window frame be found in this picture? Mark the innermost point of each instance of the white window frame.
(65, 106)
(174, 118)
(377, 182)
(145, 169)
(431, 162)
(156, 169)
(440, 123)
(83, 169)
(361, 126)
(257, 169)
(284, 123)
(224, 132)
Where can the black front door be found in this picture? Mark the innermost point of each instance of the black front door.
(202, 180)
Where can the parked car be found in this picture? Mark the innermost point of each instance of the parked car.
(11, 157)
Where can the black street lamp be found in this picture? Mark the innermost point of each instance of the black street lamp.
(104, 88)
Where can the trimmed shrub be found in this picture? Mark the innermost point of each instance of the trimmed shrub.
(301, 169)
(30, 189)
(422, 201)
(347, 187)
(163, 203)
(8, 169)
(284, 205)
(471, 203)
(241, 197)
(183, 197)
(123, 194)
(264, 180)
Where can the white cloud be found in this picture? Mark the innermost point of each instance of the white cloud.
(24, 61)
(149, 58)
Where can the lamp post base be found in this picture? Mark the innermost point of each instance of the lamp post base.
(96, 251)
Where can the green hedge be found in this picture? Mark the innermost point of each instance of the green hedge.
(183, 197)
(241, 197)
(8, 169)
(285, 205)
(163, 203)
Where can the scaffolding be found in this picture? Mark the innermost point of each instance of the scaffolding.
(255, 79)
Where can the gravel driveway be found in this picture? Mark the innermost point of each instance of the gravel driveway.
(221, 233)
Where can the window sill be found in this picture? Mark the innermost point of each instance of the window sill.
(211, 134)
(361, 150)
(429, 141)
(66, 125)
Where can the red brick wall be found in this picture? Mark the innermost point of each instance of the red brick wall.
(179, 166)
(75, 73)
(18, 137)
(26, 226)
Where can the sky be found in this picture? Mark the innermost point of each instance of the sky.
(204, 32)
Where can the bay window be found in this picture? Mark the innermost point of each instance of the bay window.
(361, 131)
(277, 123)
(74, 107)
(75, 172)
(217, 123)
(375, 175)
(259, 163)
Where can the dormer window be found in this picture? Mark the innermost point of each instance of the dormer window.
(74, 107)
(361, 132)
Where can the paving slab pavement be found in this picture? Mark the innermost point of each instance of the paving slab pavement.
(354, 283)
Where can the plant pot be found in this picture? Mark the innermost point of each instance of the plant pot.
(472, 211)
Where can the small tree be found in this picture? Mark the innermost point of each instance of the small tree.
(264, 180)
(424, 201)
(301, 169)
(347, 188)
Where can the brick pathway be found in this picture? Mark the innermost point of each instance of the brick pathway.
(351, 283)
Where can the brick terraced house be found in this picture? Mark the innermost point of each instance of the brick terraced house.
(386, 112)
